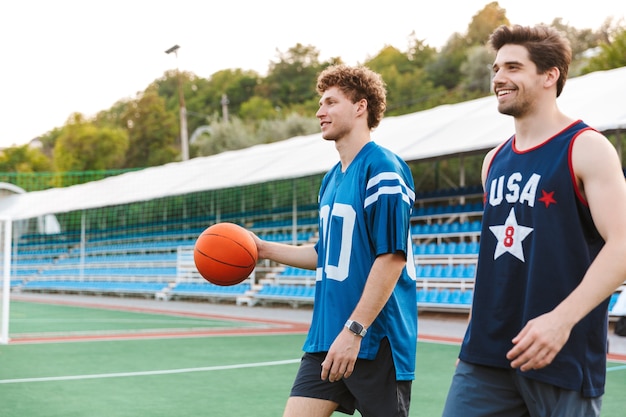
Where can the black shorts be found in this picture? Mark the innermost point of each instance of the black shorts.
(372, 388)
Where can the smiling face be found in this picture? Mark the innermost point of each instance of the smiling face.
(515, 81)
(337, 114)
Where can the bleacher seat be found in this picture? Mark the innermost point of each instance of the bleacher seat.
(95, 286)
(444, 296)
(432, 295)
(470, 271)
(458, 271)
(290, 294)
(455, 297)
(613, 300)
(451, 248)
(466, 297)
(203, 289)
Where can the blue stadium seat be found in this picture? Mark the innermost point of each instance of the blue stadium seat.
(466, 297)
(475, 226)
(419, 271)
(448, 271)
(432, 295)
(444, 296)
(613, 300)
(455, 297)
(427, 271)
(461, 248)
(470, 271)
(417, 229)
(437, 271)
(459, 271)
(451, 248)
(473, 248)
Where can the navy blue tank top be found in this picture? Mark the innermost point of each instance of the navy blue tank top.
(537, 241)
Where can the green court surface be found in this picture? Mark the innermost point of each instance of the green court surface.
(182, 374)
(32, 319)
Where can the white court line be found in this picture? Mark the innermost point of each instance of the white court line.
(145, 373)
(616, 368)
(107, 320)
(176, 371)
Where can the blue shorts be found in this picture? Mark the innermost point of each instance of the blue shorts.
(485, 391)
(372, 388)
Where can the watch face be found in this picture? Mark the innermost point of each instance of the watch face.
(356, 327)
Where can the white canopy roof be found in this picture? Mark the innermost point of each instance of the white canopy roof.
(597, 98)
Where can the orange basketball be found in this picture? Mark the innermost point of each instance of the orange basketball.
(225, 254)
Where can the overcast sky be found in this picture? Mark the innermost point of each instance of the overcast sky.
(65, 56)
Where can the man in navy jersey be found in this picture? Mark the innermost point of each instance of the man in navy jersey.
(360, 349)
(552, 247)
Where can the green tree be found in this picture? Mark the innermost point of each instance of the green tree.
(237, 85)
(611, 55)
(408, 88)
(419, 52)
(48, 141)
(393, 66)
(82, 146)
(390, 60)
(273, 130)
(152, 132)
(113, 117)
(581, 40)
(445, 71)
(291, 79)
(258, 108)
(25, 158)
(225, 136)
(484, 22)
(476, 70)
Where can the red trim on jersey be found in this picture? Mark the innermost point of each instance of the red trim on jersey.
(572, 172)
(517, 151)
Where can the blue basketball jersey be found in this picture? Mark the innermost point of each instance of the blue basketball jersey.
(537, 241)
(365, 212)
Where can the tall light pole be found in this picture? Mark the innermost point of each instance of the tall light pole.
(184, 140)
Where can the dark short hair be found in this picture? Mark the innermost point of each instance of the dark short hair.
(357, 83)
(547, 47)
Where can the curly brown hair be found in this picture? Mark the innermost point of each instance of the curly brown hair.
(357, 83)
(547, 47)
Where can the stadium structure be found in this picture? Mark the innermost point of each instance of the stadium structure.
(133, 234)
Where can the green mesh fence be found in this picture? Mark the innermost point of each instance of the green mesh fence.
(37, 181)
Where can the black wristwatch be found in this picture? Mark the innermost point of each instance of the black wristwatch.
(356, 328)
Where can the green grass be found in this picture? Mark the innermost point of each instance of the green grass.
(36, 318)
(227, 392)
(210, 376)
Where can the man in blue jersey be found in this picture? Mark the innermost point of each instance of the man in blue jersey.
(552, 247)
(360, 349)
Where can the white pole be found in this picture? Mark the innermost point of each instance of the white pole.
(82, 246)
(6, 288)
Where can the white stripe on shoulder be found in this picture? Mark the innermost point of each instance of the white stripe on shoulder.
(401, 188)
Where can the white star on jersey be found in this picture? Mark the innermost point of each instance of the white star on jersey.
(510, 236)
